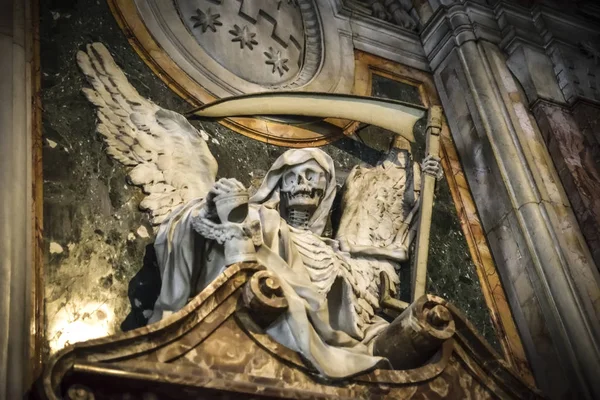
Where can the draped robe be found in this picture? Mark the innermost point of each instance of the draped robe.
(320, 322)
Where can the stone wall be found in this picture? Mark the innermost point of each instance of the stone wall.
(499, 67)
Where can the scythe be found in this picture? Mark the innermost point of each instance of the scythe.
(395, 116)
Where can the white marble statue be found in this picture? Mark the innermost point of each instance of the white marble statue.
(331, 285)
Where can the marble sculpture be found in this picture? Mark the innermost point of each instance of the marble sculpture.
(204, 225)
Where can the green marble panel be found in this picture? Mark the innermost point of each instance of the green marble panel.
(100, 270)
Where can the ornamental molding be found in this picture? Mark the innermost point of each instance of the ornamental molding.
(380, 37)
(451, 26)
(563, 38)
(246, 46)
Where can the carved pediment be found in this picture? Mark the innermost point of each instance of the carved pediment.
(212, 348)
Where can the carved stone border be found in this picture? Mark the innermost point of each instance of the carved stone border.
(375, 36)
(313, 47)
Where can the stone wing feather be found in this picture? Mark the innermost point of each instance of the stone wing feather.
(168, 157)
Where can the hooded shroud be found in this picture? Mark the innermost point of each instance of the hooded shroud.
(268, 193)
(186, 259)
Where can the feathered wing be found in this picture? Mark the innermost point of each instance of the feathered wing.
(379, 206)
(169, 157)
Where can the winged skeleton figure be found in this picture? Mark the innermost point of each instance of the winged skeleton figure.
(204, 225)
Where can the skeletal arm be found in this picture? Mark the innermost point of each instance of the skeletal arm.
(224, 219)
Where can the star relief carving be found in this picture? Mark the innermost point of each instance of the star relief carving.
(206, 20)
(275, 59)
(244, 36)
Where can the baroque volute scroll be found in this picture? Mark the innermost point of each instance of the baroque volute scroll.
(252, 289)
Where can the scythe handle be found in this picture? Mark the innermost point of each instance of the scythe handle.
(419, 273)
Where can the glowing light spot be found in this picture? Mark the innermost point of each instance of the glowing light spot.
(71, 325)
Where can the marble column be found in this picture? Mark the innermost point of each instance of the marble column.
(551, 281)
(551, 55)
(15, 197)
(576, 153)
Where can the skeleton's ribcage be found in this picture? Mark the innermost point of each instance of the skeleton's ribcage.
(325, 265)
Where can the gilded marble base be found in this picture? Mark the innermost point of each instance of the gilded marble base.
(209, 349)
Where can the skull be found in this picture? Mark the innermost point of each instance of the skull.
(303, 185)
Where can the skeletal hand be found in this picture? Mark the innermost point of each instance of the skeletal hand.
(221, 187)
(226, 186)
(431, 166)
